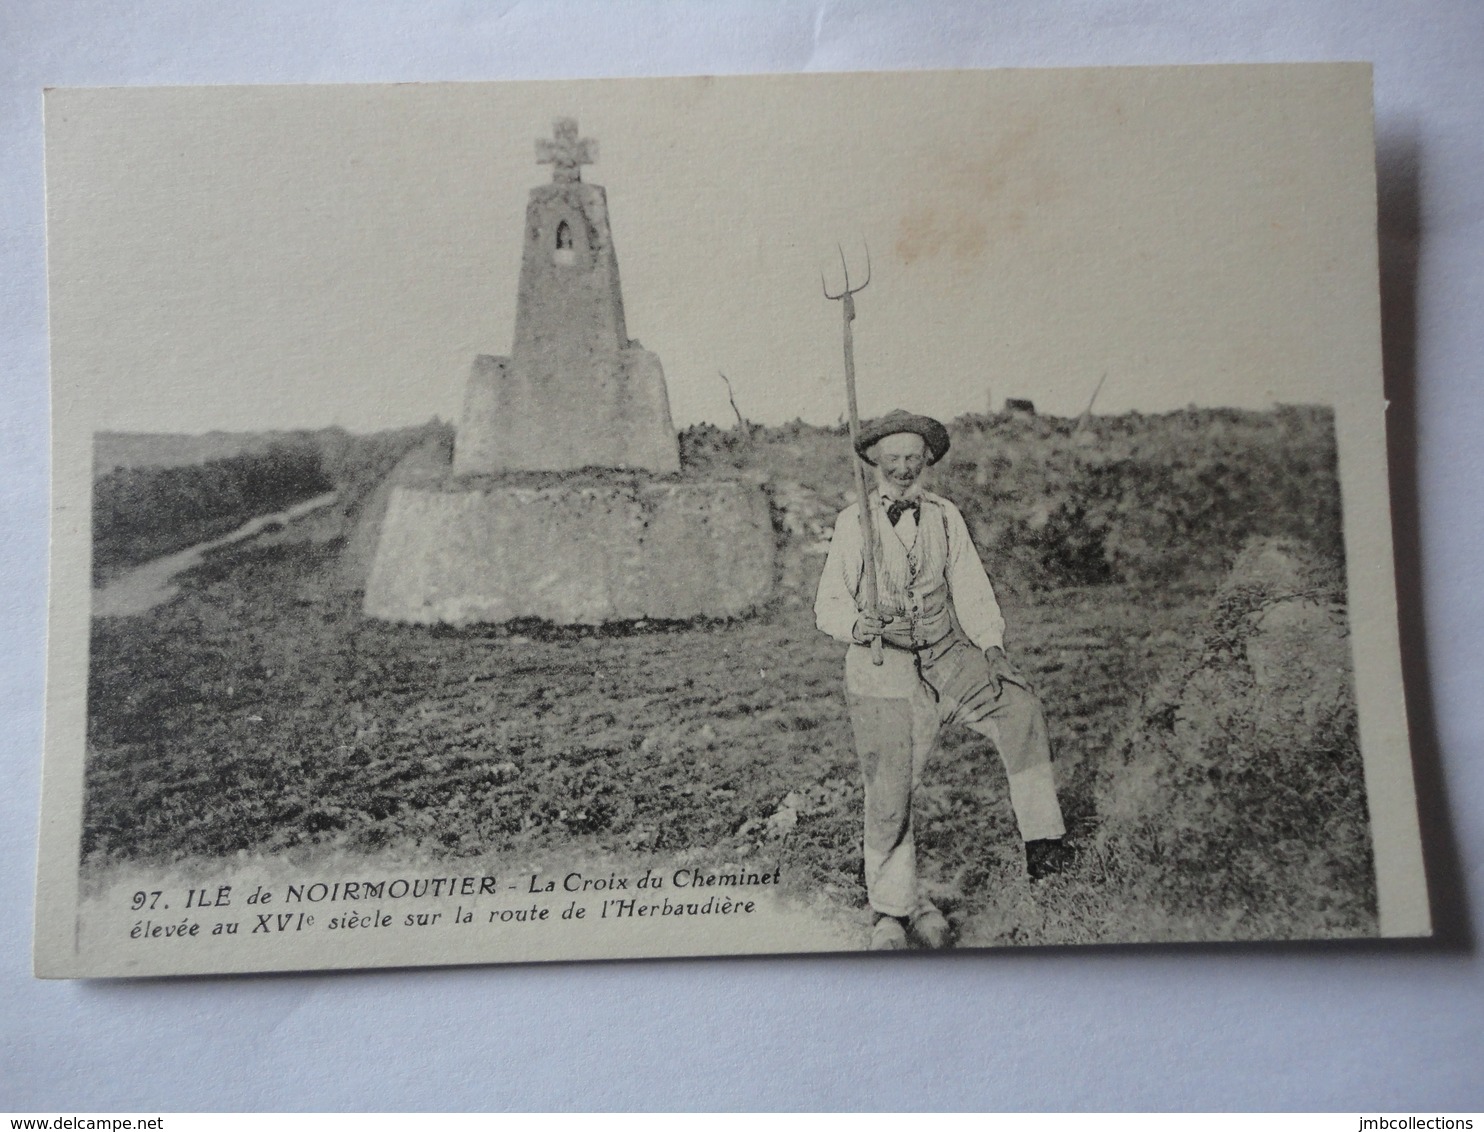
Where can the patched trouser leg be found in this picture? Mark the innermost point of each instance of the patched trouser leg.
(1017, 727)
(1014, 722)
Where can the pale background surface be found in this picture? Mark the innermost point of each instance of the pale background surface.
(335, 254)
(1267, 1027)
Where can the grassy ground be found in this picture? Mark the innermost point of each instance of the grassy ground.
(260, 711)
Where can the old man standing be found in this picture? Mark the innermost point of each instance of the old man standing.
(943, 662)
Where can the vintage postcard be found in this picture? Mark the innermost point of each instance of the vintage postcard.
(987, 545)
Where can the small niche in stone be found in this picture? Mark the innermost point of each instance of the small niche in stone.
(564, 251)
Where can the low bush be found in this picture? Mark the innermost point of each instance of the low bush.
(1145, 499)
(1237, 795)
(144, 512)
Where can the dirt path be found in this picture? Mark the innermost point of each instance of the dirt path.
(144, 587)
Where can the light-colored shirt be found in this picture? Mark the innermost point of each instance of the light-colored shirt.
(837, 603)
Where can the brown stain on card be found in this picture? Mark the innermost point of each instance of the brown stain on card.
(983, 199)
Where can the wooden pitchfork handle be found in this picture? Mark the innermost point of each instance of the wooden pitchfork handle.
(870, 592)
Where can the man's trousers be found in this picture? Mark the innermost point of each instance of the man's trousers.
(896, 713)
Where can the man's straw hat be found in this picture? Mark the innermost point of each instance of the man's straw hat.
(899, 420)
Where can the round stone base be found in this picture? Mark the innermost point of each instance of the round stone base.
(460, 551)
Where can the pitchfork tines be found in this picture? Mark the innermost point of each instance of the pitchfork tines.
(849, 290)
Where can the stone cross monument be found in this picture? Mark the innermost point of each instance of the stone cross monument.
(576, 390)
(565, 153)
(565, 499)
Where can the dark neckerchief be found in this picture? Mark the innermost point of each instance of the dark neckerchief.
(899, 507)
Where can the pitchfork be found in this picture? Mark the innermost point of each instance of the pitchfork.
(846, 299)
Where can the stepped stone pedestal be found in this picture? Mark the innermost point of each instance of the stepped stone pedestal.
(563, 501)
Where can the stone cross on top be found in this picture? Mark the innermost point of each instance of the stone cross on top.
(565, 154)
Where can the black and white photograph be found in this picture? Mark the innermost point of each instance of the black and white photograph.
(987, 544)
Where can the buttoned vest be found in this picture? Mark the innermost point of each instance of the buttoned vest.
(913, 581)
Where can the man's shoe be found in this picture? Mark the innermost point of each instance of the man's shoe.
(1046, 857)
(930, 928)
(888, 935)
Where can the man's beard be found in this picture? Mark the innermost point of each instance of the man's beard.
(899, 487)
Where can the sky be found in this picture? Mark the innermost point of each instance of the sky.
(280, 257)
